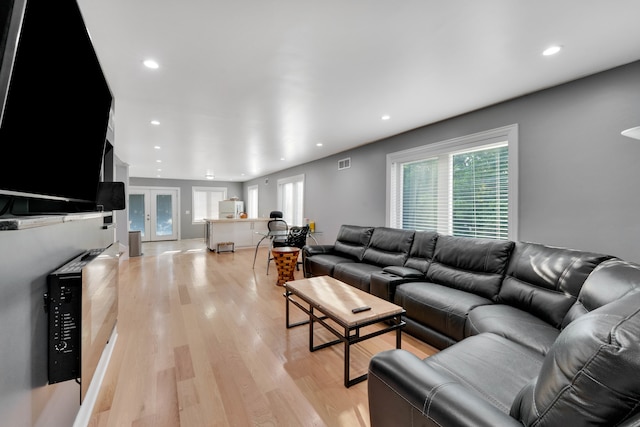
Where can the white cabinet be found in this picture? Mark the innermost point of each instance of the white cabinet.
(242, 232)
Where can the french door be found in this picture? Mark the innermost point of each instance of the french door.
(154, 212)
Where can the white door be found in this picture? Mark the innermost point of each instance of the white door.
(154, 212)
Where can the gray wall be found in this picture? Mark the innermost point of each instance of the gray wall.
(27, 257)
(332, 197)
(188, 230)
(578, 177)
(577, 174)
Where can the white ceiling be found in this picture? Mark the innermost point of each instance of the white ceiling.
(243, 84)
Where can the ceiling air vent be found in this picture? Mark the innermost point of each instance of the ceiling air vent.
(344, 163)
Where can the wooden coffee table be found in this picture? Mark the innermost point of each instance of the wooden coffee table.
(329, 298)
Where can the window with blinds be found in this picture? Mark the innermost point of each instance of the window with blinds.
(479, 193)
(291, 199)
(461, 187)
(252, 201)
(420, 195)
(204, 202)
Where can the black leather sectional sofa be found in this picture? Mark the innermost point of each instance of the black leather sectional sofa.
(529, 334)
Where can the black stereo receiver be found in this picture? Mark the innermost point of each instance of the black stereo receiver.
(64, 305)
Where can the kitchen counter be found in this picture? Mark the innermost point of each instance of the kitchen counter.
(223, 220)
(243, 232)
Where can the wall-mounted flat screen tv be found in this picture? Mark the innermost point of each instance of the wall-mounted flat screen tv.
(55, 103)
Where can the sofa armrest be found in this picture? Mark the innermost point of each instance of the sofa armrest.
(402, 389)
(404, 272)
(310, 250)
(383, 284)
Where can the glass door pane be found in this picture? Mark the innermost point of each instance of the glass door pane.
(164, 215)
(137, 213)
(154, 212)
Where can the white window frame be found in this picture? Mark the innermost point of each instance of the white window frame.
(453, 146)
(296, 217)
(212, 212)
(252, 201)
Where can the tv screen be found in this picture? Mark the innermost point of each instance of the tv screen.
(56, 104)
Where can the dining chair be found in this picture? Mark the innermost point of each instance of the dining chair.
(278, 231)
(297, 237)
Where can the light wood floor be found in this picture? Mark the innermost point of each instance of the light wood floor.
(202, 342)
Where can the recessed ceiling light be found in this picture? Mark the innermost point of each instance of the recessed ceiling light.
(551, 50)
(159, 170)
(157, 147)
(386, 117)
(155, 122)
(158, 161)
(150, 63)
(632, 133)
(281, 158)
(319, 144)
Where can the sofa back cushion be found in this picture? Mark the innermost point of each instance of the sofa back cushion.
(470, 264)
(608, 282)
(421, 254)
(388, 246)
(352, 241)
(590, 375)
(545, 280)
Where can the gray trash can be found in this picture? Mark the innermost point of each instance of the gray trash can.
(135, 243)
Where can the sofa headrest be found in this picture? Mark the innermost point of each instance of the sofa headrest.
(352, 240)
(421, 254)
(471, 264)
(591, 374)
(545, 280)
(608, 282)
(388, 246)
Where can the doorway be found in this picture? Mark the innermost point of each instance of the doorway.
(154, 212)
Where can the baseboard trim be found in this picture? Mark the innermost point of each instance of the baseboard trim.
(86, 409)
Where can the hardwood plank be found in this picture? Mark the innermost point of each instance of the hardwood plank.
(202, 342)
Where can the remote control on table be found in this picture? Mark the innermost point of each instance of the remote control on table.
(359, 309)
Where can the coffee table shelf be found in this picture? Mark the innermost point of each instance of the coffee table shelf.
(325, 298)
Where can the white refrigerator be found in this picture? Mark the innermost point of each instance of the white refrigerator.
(230, 209)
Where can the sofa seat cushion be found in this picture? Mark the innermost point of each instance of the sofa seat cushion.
(513, 324)
(356, 274)
(323, 265)
(439, 307)
(494, 367)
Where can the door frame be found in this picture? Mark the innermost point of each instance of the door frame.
(149, 225)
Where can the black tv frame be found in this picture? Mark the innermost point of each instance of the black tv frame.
(58, 164)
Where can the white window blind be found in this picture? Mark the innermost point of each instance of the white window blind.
(480, 196)
(291, 199)
(419, 205)
(205, 202)
(461, 187)
(252, 202)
